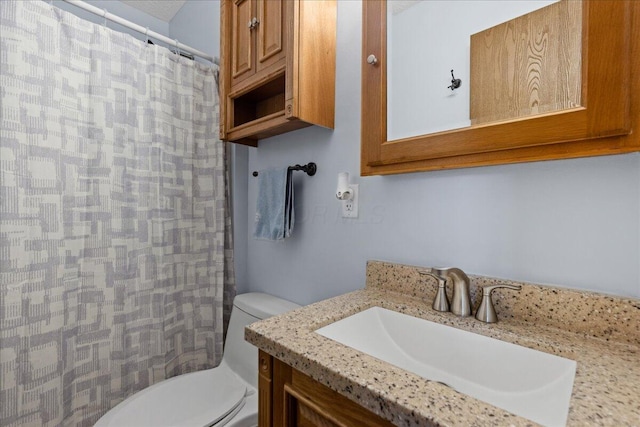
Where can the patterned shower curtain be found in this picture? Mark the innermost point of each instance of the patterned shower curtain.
(115, 249)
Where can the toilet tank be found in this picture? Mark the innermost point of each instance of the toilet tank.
(239, 355)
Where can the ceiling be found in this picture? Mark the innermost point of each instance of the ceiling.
(161, 9)
(402, 5)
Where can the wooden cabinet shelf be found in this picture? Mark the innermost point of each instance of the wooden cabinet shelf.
(277, 69)
(258, 104)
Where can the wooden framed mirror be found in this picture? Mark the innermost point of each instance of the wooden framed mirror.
(602, 124)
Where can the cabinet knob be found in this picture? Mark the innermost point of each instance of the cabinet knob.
(253, 23)
(372, 60)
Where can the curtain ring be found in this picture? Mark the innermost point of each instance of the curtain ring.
(104, 15)
(146, 34)
(177, 48)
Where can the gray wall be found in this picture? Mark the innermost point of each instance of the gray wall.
(572, 223)
(197, 24)
(120, 9)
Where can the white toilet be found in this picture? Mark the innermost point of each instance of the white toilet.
(223, 396)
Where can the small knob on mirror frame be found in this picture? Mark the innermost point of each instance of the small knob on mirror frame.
(486, 312)
(372, 60)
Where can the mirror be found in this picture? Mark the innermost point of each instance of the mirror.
(420, 97)
(596, 121)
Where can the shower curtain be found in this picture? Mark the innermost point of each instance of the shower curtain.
(115, 250)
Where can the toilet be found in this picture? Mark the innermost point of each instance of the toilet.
(223, 396)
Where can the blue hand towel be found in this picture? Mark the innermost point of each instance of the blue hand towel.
(274, 208)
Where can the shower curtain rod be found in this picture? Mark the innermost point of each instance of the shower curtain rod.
(141, 29)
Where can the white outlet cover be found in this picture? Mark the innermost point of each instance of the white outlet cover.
(350, 207)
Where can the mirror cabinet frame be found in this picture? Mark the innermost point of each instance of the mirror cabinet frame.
(602, 125)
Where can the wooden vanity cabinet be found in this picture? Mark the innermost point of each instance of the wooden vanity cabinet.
(289, 398)
(277, 70)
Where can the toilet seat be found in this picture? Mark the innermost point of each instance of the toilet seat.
(198, 399)
(225, 396)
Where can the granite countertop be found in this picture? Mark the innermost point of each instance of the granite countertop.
(601, 333)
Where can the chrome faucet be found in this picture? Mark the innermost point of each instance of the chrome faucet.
(461, 299)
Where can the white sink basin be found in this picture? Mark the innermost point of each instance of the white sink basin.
(528, 383)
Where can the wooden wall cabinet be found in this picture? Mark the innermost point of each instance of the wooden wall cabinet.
(289, 398)
(277, 70)
(606, 122)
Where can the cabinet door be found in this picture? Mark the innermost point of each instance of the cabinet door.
(270, 33)
(242, 45)
(302, 412)
(307, 403)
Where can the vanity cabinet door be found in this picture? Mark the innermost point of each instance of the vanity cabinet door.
(299, 401)
(302, 412)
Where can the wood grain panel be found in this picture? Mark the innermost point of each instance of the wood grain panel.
(373, 122)
(281, 377)
(271, 33)
(265, 389)
(528, 65)
(314, 62)
(302, 412)
(300, 401)
(242, 43)
(332, 405)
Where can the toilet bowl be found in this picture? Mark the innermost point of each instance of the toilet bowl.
(223, 396)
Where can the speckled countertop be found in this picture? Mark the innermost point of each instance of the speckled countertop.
(601, 333)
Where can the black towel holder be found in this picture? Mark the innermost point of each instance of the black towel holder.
(310, 169)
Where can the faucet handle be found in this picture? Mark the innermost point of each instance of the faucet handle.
(486, 312)
(440, 302)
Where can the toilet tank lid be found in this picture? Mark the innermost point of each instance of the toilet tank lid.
(262, 305)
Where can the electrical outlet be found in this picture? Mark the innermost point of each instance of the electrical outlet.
(350, 207)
